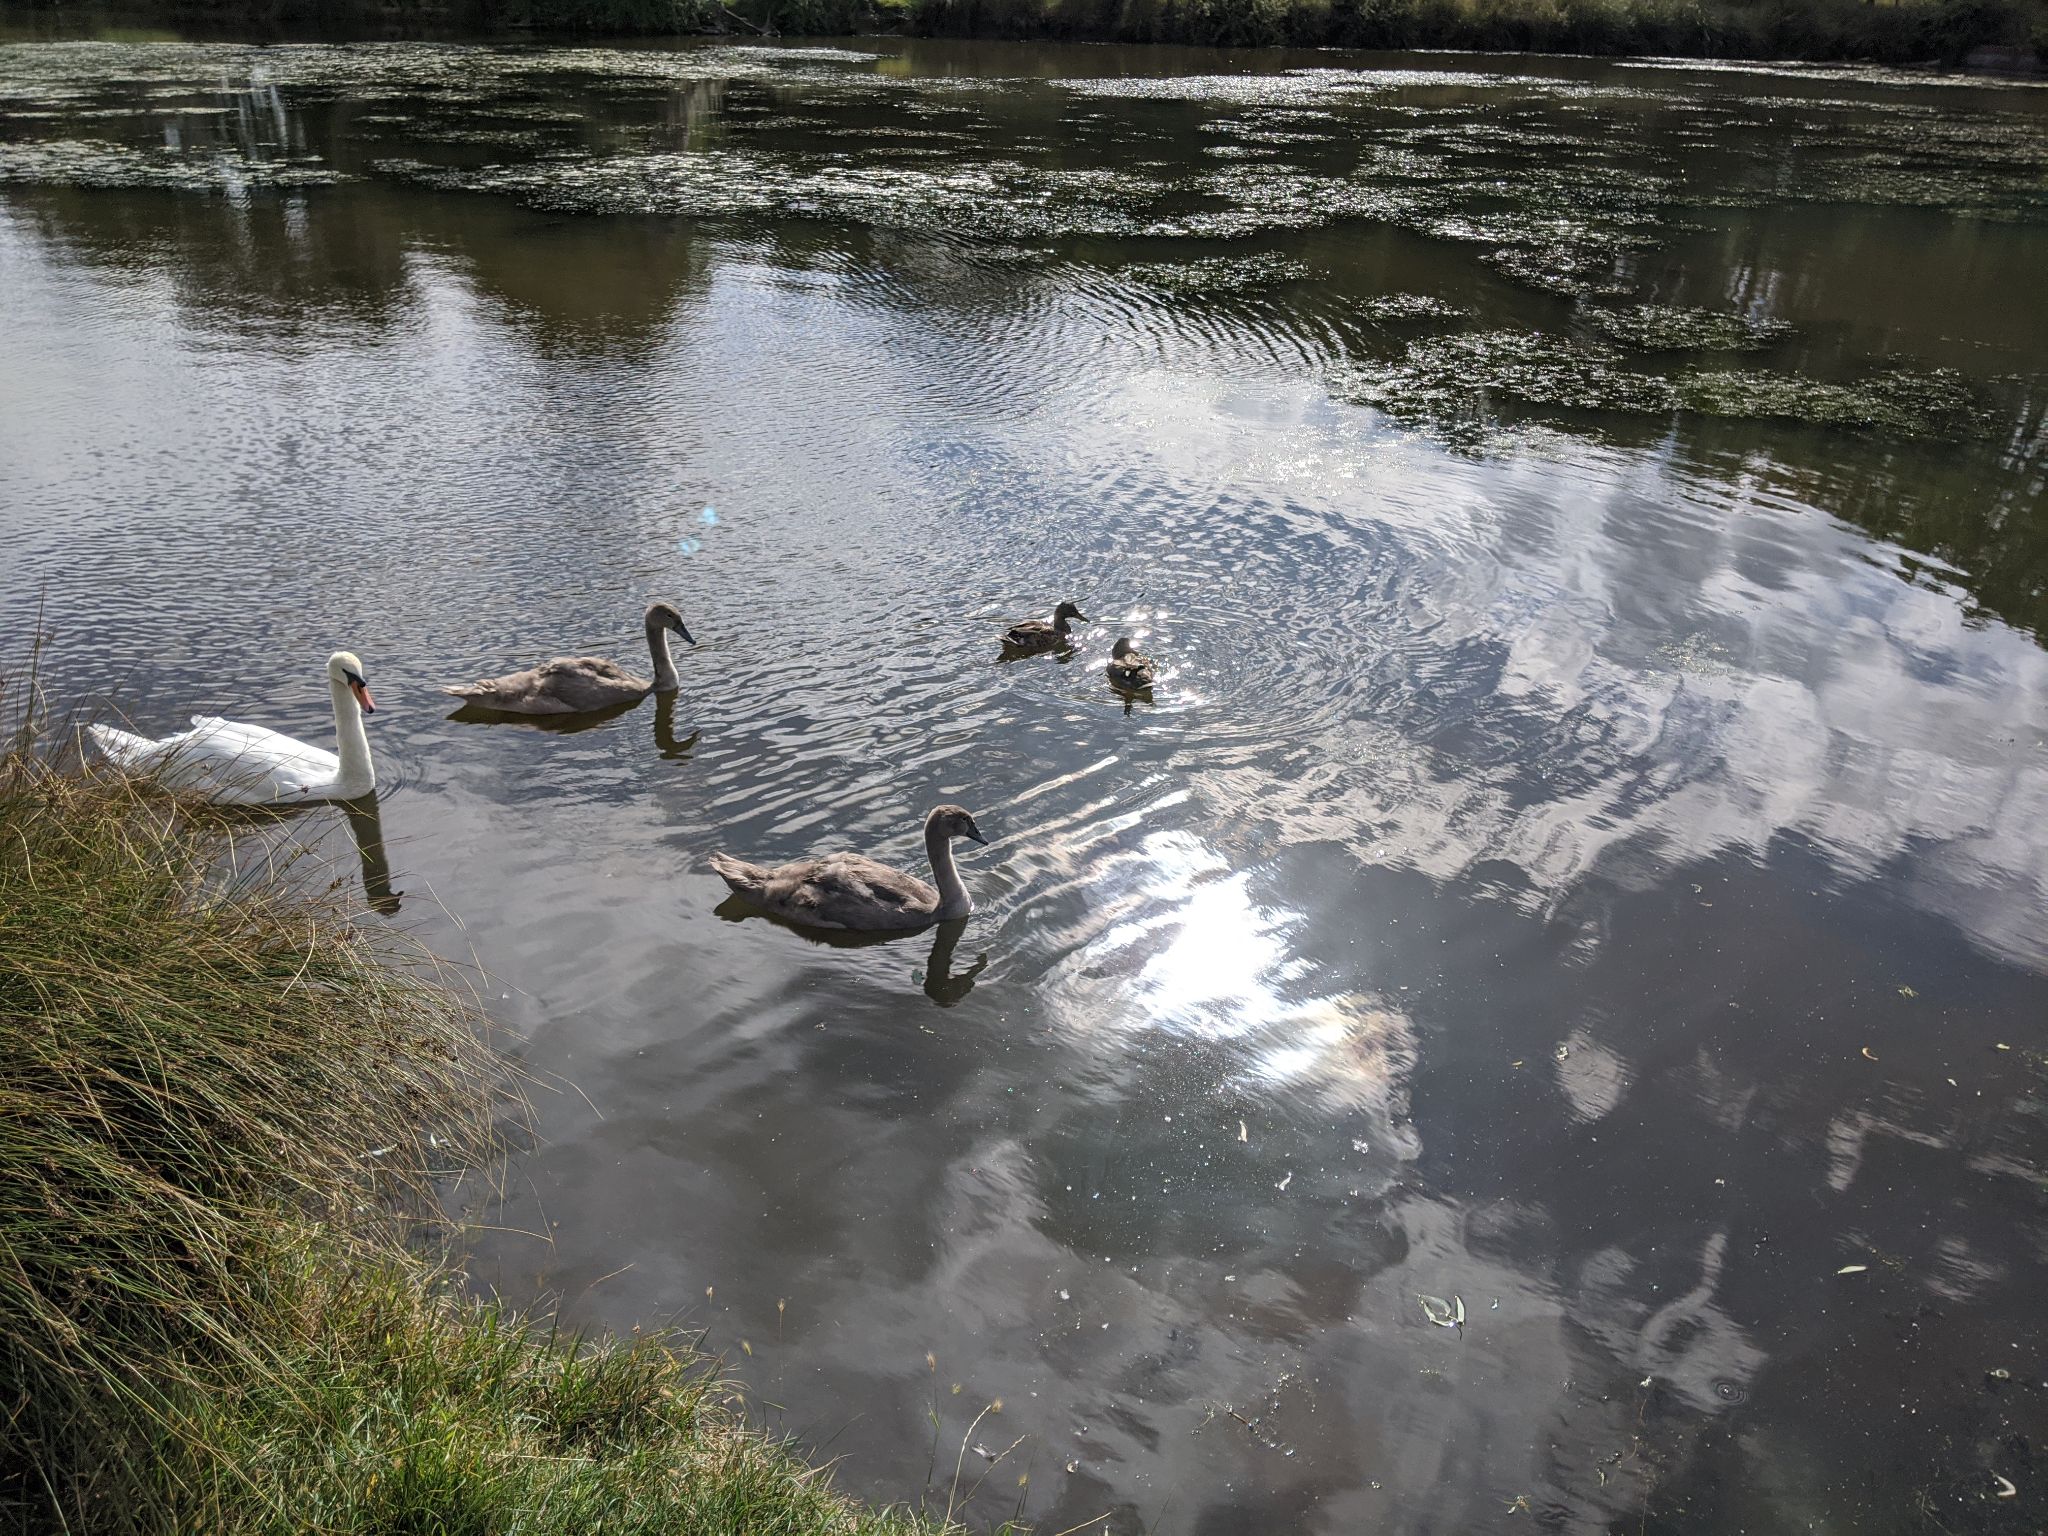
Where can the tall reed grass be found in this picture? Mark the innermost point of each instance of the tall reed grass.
(220, 1095)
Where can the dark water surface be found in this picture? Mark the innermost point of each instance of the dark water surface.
(1586, 858)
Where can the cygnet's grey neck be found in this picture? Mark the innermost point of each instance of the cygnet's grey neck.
(665, 679)
(953, 898)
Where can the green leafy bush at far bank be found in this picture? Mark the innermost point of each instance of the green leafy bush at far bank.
(1998, 34)
(218, 1092)
(1884, 31)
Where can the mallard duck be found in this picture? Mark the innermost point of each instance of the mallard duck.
(853, 891)
(1037, 635)
(573, 685)
(238, 764)
(1127, 669)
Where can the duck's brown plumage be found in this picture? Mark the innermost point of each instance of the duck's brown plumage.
(1128, 669)
(1038, 635)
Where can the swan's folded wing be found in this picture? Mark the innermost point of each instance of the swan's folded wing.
(230, 752)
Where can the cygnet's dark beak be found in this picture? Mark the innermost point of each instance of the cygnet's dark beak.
(971, 830)
(683, 630)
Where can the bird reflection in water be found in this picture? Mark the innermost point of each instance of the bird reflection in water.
(666, 742)
(366, 826)
(940, 984)
(1131, 696)
(937, 977)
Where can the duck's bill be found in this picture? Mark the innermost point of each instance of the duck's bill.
(361, 690)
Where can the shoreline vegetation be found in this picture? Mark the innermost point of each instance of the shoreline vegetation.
(2009, 36)
(220, 1093)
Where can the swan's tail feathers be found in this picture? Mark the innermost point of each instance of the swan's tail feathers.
(124, 747)
(747, 880)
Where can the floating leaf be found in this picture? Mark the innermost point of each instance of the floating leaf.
(1438, 1311)
(1852, 1269)
(1869, 1054)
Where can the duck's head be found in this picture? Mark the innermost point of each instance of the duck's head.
(1068, 611)
(664, 616)
(953, 821)
(345, 671)
(1123, 648)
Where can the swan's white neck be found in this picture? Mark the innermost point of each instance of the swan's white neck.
(953, 898)
(665, 679)
(351, 742)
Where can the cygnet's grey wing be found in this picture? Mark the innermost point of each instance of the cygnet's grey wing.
(565, 686)
(850, 890)
(590, 682)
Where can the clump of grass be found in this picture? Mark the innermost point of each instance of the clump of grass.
(190, 1057)
(219, 1096)
(396, 1404)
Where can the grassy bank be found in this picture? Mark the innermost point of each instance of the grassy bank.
(217, 1092)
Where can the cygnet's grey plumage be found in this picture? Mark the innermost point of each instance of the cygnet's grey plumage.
(852, 891)
(1037, 635)
(574, 685)
(1127, 669)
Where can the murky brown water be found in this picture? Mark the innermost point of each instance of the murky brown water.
(1584, 860)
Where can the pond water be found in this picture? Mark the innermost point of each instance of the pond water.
(1585, 860)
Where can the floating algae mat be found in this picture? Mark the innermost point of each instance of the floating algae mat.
(1410, 306)
(1452, 378)
(91, 163)
(1913, 403)
(1671, 328)
(1448, 382)
(1218, 276)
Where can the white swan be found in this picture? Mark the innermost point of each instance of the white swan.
(239, 764)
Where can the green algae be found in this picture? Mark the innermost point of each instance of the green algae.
(1673, 328)
(1217, 276)
(1907, 402)
(1447, 382)
(1449, 378)
(1410, 306)
(95, 163)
